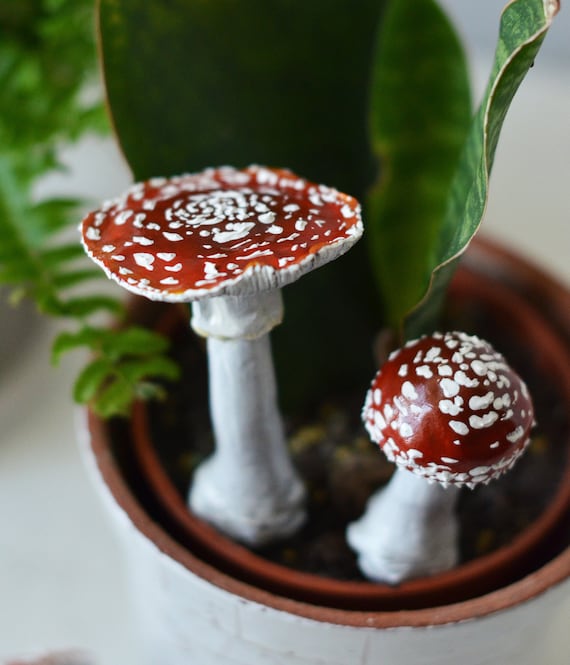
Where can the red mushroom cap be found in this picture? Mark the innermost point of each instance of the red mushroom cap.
(222, 231)
(449, 408)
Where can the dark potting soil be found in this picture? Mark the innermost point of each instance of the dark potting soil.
(342, 468)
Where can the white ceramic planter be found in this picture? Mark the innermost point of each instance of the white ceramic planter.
(191, 614)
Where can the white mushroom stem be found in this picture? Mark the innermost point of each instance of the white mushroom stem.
(248, 488)
(408, 530)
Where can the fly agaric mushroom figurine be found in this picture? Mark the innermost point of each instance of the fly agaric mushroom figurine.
(449, 410)
(227, 240)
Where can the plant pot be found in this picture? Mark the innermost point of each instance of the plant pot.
(204, 599)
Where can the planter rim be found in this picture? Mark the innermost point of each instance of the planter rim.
(534, 584)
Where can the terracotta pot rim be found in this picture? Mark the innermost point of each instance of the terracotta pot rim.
(535, 584)
(482, 574)
(520, 591)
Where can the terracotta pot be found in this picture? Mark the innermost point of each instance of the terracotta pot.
(201, 594)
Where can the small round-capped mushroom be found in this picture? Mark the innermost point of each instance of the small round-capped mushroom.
(446, 408)
(227, 240)
(449, 408)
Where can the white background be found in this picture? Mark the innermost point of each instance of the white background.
(61, 572)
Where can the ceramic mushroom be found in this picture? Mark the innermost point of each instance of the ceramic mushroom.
(227, 240)
(446, 409)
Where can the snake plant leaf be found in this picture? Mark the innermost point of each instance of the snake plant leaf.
(524, 24)
(420, 116)
(192, 84)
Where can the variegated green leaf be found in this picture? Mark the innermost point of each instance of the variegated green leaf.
(524, 24)
(420, 115)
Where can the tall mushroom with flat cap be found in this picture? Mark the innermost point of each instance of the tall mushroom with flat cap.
(449, 410)
(227, 240)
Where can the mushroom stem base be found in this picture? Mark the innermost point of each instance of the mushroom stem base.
(408, 530)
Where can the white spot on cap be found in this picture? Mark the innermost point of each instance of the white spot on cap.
(173, 237)
(486, 420)
(175, 268)
(415, 454)
(275, 230)
(233, 232)
(459, 427)
(463, 380)
(267, 218)
(450, 408)
(169, 281)
(406, 431)
(479, 471)
(478, 402)
(379, 420)
(425, 371)
(166, 256)
(408, 391)
(144, 260)
(109, 248)
(433, 354)
(93, 234)
(516, 435)
(479, 367)
(141, 240)
(403, 370)
(122, 217)
(449, 387)
(210, 270)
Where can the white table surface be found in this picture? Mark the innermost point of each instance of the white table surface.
(61, 570)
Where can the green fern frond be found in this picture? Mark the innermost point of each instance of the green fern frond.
(47, 57)
(53, 257)
(119, 375)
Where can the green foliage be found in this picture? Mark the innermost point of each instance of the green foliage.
(47, 60)
(276, 82)
(119, 373)
(421, 112)
(524, 24)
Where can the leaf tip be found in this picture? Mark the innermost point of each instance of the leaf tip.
(551, 8)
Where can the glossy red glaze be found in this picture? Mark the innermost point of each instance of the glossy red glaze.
(448, 407)
(221, 231)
